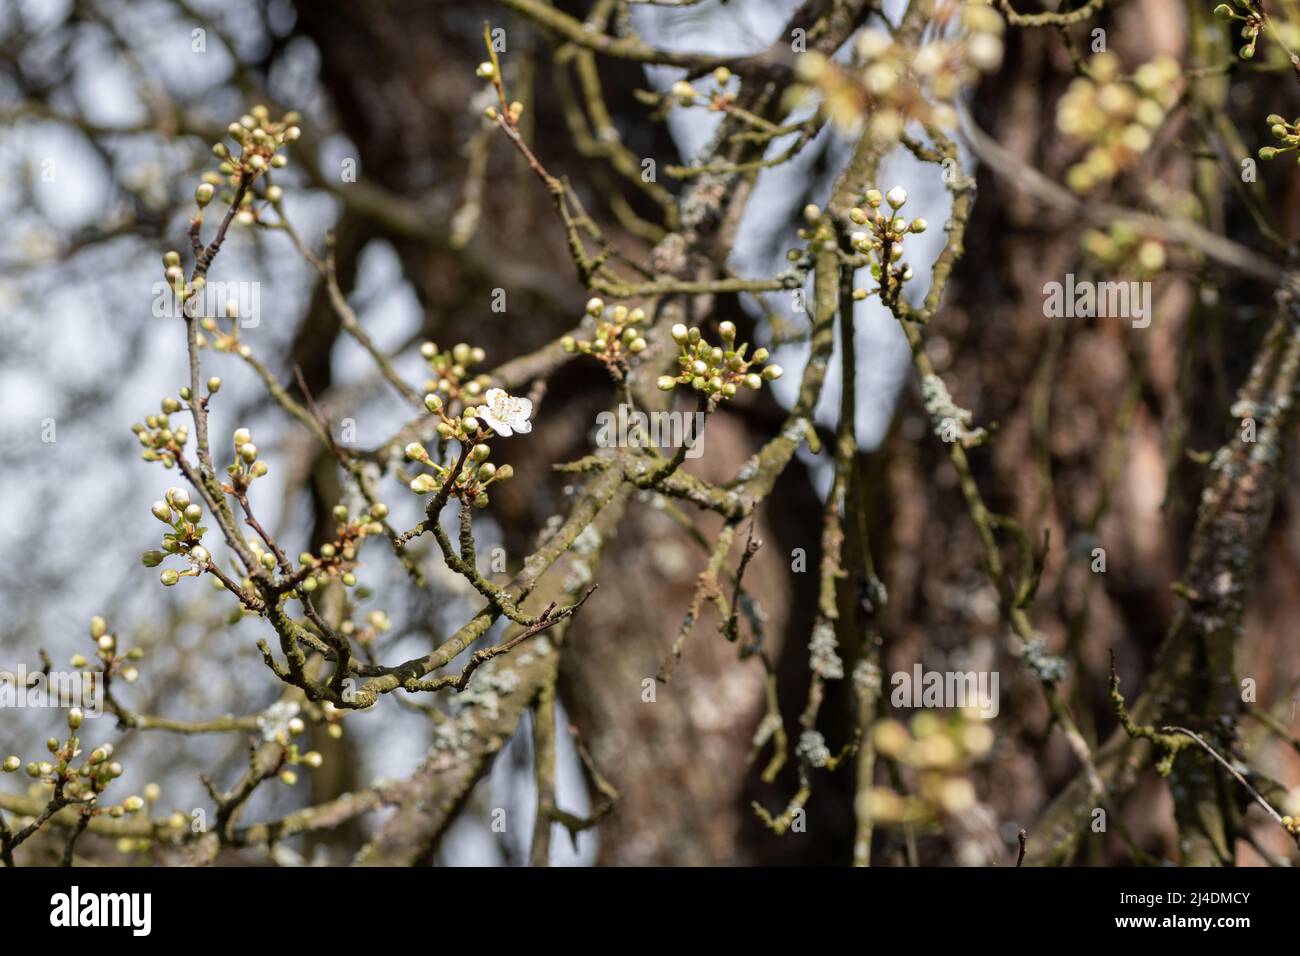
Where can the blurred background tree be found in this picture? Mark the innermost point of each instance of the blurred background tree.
(1098, 430)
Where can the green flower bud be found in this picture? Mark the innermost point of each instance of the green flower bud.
(214, 385)
(760, 355)
(248, 452)
(595, 307)
(569, 344)
(772, 372)
(98, 627)
(1268, 152)
(12, 764)
(753, 381)
(423, 484)
(78, 661)
(309, 585)
(260, 469)
(480, 452)
(416, 452)
(169, 577)
(203, 194)
(327, 551)
(349, 579)
(33, 770)
(680, 333)
(162, 512)
(75, 718)
(487, 470)
(505, 472)
(470, 423)
(638, 344)
(340, 513)
(267, 560)
(242, 436)
(379, 510)
(193, 512)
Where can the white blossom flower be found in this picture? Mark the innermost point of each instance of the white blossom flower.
(275, 719)
(506, 414)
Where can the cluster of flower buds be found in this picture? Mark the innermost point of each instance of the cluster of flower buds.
(892, 84)
(1115, 117)
(882, 242)
(111, 659)
(337, 559)
(182, 515)
(1286, 132)
(713, 370)
(475, 475)
(376, 623)
(294, 757)
(1252, 23)
(161, 442)
(109, 655)
(450, 379)
(939, 752)
(616, 336)
(246, 465)
(260, 143)
(187, 292)
(488, 70)
(683, 93)
(84, 782)
(223, 341)
(1121, 247)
